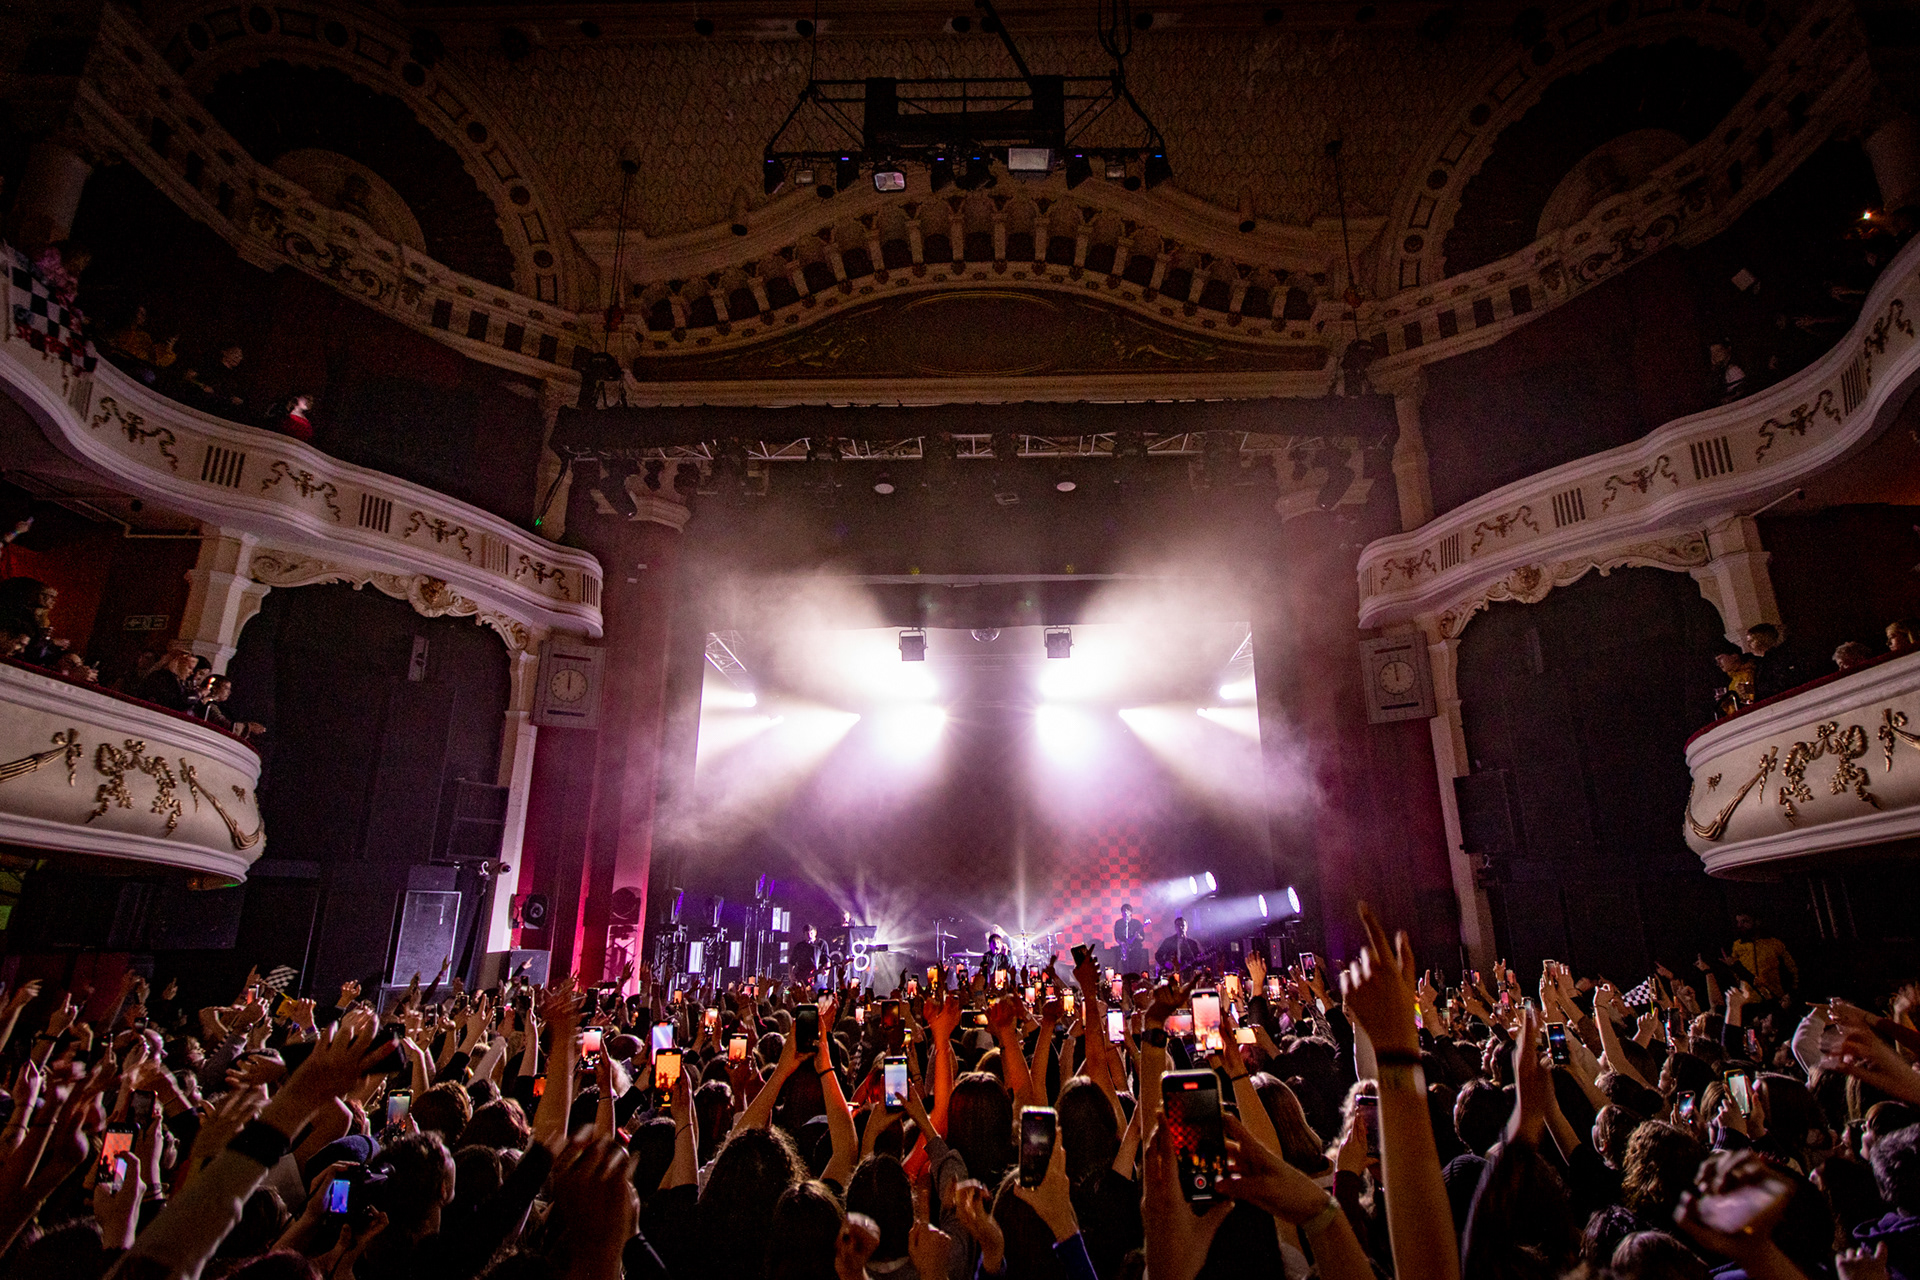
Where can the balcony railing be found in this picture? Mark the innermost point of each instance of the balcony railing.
(84, 770)
(1649, 502)
(1830, 766)
(294, 497)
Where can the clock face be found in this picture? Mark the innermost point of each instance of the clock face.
(1396, 677)
(567, 685)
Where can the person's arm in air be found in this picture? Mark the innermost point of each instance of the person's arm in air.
(759, 1113)
(846, 1143)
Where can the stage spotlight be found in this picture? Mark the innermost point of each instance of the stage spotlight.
(1065, 483)
(1157, 169)
(1065, 733)
(909, 730)
(913, 645)
(804, 177)
(1059, 641)
(884, 484)
(1237, 690)
(889, 177)
(846, 172)
(1029, 160)
(1263, 906)
(723, 696)
(773, 175)
(1212, 884)
(1079, 169)
(1116, 170)
(940, 172)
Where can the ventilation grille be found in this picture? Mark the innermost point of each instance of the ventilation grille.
(223, 466)
(1449, 551)
(590, 590)
(1853, 386)
(1711, 458)
(1569, 507)
(376, 513)
(493, 554)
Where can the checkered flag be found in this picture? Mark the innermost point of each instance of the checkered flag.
(40, 320)
(1641, 997)
(280, 978)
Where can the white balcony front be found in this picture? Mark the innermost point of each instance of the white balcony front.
(84, 771)
(1829, 768)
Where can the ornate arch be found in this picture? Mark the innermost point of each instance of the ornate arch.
(1573, 38)
(212, 39)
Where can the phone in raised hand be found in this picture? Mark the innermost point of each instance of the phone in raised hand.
(893, 1079)
(1190, 1101)
(1557, 1044)
(1039, 1128)
(737, 1049)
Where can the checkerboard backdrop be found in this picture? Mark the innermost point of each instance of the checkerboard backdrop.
(1095, 867)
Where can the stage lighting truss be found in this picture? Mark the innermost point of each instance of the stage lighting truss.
(1028, 123)
(723, 652)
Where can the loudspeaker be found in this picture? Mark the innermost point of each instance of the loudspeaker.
(533, 911)
(536, 972)
(1486, 813)
(624, 906)
(429, 920)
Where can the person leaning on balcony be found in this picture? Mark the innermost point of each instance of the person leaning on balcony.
(1777, 671)
(218, 385)
(1903, 636)
(169, 684)
(1763, 960)
(1851, 655)
(1740, 669)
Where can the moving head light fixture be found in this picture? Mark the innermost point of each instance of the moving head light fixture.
(960, 127)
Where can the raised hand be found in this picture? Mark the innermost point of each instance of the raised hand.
(1379, 989)
(1260, 1177)
(1177, 1238)
(974, 1207)
(1052, 1199)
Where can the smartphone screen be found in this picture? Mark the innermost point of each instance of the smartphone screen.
(1231, 983)
(1180, 1024)
(662, 1036)
(806, 1028)
(1684, 1107)
(737, 1049)
(539, 1086)
(893, 1078)
(118, 1138)
(398, 1102)
(1741, 1089)
(1066, 1003)
(1557, 1043)
(592, 1038)
(339, 1195)
(666, 1070)
(140, 1108)
(1366, 1112)
(1118, 990)
(711, 1018)
(1038, 1126)
(1243, 1036)
(860, 1014)
(1273, 988)
(1206, 1011)
(933, 977)
(1033, 995)
(1191, 1102)
(1116, 1026)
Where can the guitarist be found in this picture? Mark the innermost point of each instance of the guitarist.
(1130, 941)
(1177, 951)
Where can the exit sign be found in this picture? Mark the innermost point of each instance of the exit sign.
(146, 622)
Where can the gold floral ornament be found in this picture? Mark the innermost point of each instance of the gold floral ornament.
(1718, 827)
(115, 764)
(1893, 733)
(64, 744)
(1829, 740)
(240, 839)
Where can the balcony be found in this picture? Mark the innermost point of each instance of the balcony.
(87, 771)
(1831, 766)
(293, 498)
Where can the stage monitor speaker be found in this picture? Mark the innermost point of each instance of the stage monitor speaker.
(533, 911)
(429, 924)
(1486, 813)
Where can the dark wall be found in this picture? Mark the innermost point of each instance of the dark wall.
(1577, 712)
(386, 397)
(356, 756)
(1842, 574)
(1631, 354)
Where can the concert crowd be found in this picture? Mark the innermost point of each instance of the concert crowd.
(1309, 1118)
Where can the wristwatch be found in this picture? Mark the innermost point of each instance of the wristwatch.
(1155, 1037)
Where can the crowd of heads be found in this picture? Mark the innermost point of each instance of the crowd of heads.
(1346, 1120)
(1763, 668)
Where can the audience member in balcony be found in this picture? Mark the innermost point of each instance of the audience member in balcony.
(1903, 636)
(1851, 656)
(218, 690)
(218, 387)
(290, 417)
(170, 683)
(1776, 671)
(60, 266)
(1729, 376)
(1740, 669)
(136, 350)
(26, 609)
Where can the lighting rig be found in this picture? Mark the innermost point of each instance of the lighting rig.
(958, 127)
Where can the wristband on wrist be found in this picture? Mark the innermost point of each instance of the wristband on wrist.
(1396, 1057)
(261, 1143)
(1155, 1037)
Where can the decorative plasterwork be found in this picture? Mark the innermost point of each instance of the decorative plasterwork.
(430, 597)
(249, 481)
(212, 39)
(1833, 767)
(1691, 473)
(1577, 37)
(1817, 81)
(1531, 583)
(82, 771)
(132, 105)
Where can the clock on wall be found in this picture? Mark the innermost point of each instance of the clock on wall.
(1398, 683)
(569, 690)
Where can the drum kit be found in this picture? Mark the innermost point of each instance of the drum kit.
(1024, 951)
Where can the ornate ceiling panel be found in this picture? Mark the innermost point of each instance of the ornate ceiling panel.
(1249, 109)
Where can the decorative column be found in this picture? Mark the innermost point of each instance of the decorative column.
(1735, 579)
(553, 478)
(222, 597)
(1451, 761)
(49, 196)
(1411, 479)
(1894, 151)
(517, 740)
